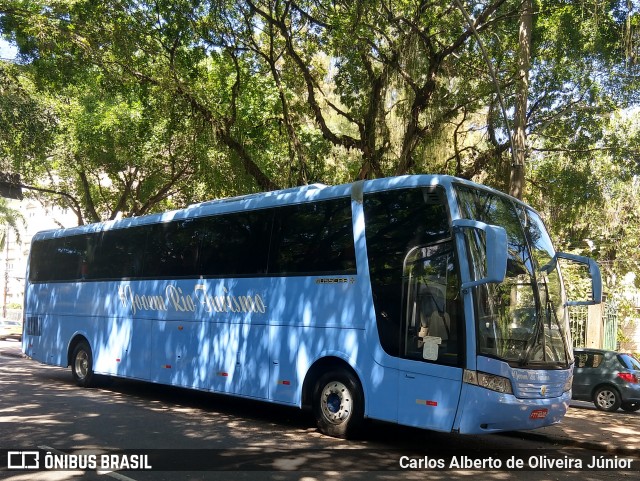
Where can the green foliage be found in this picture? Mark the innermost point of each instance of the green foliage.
(27, 123)
(134, 107)
(10, 221)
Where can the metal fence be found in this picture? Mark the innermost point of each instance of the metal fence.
(578, 321)
(610, 315)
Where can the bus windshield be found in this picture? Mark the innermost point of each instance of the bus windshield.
(520, 320)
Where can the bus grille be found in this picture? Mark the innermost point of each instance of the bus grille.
(538, 390)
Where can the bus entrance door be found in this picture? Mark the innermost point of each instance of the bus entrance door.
(428, 395)
(430, 380)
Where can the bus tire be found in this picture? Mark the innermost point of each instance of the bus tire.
(82, 365)
(338, 404)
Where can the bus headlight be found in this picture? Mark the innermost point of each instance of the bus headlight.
(568, 384)
(488, 381)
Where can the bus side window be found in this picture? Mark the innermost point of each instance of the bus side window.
(120, 254)
(235, 244)
(431, 299)
(396, 221)
(172, 249)
(62, 258)
(313, 238)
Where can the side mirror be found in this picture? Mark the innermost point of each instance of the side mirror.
(594, 274)
(495, 251)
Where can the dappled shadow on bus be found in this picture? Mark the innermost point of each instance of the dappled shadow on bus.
(255, 338)
(220, 334)
(250, 337)
(198, 416)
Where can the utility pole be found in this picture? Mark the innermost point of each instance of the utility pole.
(6, 274)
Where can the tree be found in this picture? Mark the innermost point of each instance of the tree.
(127, 153)
(28, 123)
(10, 221)
(525, 33)
(391, 61)
(150, 47)
(270, 93)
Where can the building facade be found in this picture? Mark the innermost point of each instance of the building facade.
(13, 257)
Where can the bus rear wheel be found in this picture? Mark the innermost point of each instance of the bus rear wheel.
(82, 365)
(338, 404)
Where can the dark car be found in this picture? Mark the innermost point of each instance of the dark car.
(610, 379)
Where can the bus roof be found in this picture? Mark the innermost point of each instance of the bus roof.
(263, 200)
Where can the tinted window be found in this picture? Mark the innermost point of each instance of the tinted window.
(41, 263)
(629, 362)
(172, 249)
(235, 244)
(64, 258)
(120, 254)
(313, 238)
(308, 238)
(396, 222)
(588, 359)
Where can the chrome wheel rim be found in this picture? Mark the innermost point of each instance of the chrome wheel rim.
(82, 364)
(336, 402)
(606, 399)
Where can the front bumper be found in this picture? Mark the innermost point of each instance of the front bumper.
(483, 411)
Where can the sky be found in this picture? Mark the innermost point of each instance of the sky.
(7, 51)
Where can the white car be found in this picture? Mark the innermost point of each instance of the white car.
(10, 329)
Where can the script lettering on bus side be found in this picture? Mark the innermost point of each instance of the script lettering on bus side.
(176, 300)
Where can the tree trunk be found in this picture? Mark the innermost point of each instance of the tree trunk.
(517, 180)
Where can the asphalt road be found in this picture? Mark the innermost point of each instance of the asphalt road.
(42, 409)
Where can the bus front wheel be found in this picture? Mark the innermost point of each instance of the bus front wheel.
(338, 404)
(82, 365)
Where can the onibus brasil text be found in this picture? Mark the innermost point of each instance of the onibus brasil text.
(100, 462)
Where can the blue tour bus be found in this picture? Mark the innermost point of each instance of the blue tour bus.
(427, 301)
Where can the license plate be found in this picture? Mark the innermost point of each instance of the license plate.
(539, 414)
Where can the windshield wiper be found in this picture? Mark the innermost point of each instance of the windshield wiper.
(524, 360)
(550, 315)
